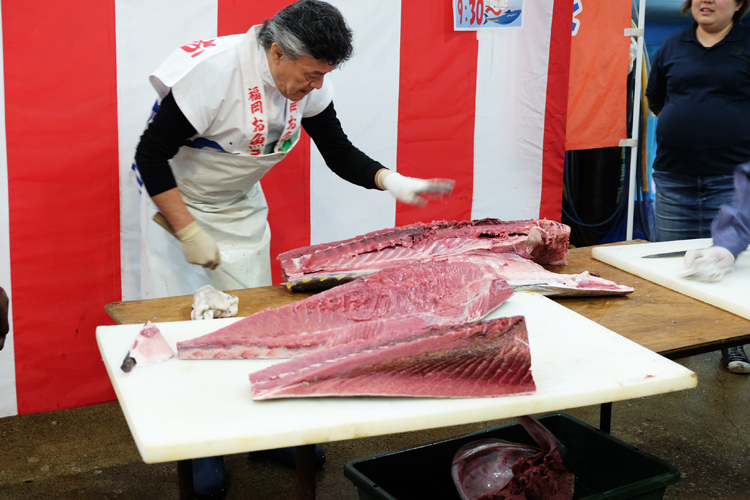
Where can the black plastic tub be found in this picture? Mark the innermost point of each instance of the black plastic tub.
(605, 467)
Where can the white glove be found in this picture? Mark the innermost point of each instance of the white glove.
(707, 264)
(198, 246)
(410, 189)
(210, 303)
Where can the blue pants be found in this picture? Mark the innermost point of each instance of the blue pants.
(686, 204)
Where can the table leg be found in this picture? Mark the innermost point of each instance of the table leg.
(185, 479)
(305, 467)
(605, 417)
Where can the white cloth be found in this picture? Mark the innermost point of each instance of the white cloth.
(210, 303)
(227, 93)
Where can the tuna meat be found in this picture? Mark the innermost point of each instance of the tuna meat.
(499, 470)
(322, 266)
(149, 347)
(476, 359)
(402, 298)
(526, 275)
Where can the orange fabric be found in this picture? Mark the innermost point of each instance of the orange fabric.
(599, 54)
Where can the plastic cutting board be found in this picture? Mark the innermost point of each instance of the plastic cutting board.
(732, 293)
(182, 409)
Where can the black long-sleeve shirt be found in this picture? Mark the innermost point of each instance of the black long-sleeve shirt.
(170, 129)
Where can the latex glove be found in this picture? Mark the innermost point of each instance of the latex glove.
(707, 264)
(198, 246)
(210, 303)
(410, 189)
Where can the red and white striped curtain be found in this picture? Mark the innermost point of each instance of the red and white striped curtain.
(486, 109)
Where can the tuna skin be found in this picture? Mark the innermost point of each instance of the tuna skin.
(483, 467)
(476, 359)
(402, 298)
(494, 469)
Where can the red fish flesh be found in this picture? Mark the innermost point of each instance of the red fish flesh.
(477, 359)
(403, 298)
(329, 264)
(501, 471)
(526, 275)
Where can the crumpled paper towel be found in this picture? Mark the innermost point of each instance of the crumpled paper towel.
(210, 303)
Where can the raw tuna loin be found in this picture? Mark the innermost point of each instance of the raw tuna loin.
(404, 298)
(477, 359)
(325, 265)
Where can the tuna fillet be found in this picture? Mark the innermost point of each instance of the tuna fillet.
(404, 298)
(323, 266)
(477, 359)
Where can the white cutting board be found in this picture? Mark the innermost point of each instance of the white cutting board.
(732, 293)
(183, 409)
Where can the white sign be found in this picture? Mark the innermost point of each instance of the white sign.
(478, 14)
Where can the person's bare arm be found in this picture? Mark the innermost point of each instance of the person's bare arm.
(172, 207)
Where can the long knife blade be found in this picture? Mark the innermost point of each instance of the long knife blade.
(680, 253)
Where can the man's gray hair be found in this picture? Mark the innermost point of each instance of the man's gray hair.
(309, 28)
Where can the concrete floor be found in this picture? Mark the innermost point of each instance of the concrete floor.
(88, 453)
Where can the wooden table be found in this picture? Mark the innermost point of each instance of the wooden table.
(659, 319)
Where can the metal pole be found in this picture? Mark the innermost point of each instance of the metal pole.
(636, 116)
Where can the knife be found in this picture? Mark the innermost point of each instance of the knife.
(680, 253)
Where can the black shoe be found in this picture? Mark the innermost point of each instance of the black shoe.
(735, 360)
(287, 456)
(209, 478)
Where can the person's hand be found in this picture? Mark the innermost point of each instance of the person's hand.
(210, 303)
(415, 191)
(707, 264)
(198, 246)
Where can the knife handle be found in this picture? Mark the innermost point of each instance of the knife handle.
(163, 222)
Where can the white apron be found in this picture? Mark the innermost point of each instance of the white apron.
(223, 193)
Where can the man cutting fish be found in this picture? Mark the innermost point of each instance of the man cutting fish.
(230, 109)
